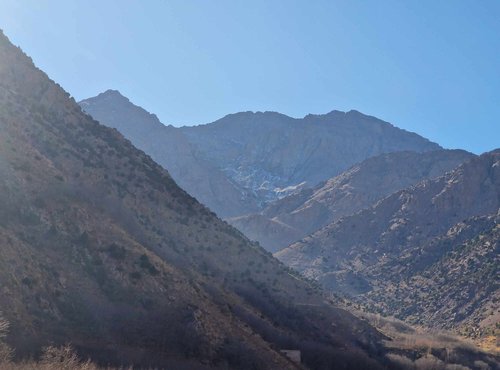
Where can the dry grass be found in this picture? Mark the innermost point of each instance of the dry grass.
(53, 358)
(405, 336)
(422, 345)
(61, 358)
(5, 351)
(490, 344)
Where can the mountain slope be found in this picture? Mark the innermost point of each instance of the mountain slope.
(404, 235)
(458, 290)
(170, 148)
(292, 218)
(101, 248)
(241, 162)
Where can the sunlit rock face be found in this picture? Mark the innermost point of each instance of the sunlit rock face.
(293, 217)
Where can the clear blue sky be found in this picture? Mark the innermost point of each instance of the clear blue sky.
(432, 67)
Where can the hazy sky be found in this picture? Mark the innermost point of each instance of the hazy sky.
(432, 67)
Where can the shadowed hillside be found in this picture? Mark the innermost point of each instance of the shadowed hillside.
(169, 147)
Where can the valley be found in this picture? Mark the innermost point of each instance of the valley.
(256, 241)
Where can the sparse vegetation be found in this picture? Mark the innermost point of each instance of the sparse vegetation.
(95, 263)
(418, 349)
(5, 350)
(54, 358)
(62, 358)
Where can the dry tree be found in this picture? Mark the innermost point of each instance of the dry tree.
(5, 350)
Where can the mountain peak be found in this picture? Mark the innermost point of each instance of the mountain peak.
(113, 94)
(255, 114)
(338, 114)
(120, 104)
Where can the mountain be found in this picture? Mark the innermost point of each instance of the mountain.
(101, 248)
(238, 164)
(291, 218)
(270, 152)
(422, 245)
(459, 289)
(170, 148)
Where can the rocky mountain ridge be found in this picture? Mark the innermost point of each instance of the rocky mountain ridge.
(406, 234)
(291, 218)
(269, 151)
(240, 163)
(169, 147)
